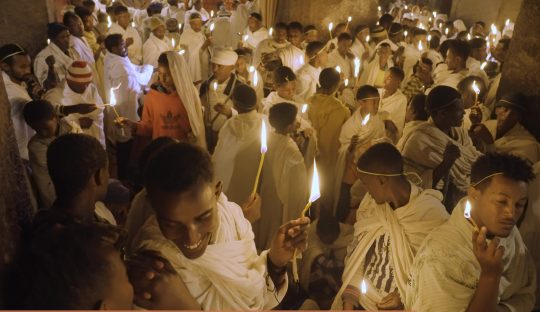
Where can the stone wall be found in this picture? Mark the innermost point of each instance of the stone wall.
(24, 22)
(322, 12)
(489, 11)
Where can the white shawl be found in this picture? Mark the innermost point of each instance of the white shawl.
(292, 57)
(229, 275)
(407, 227)
(445, 273)
(336, 59)
(255, 38)
(423, 149)
(188, 94)
(307, 81)
(152, 49)
(134, 50)
(518, 141)
(370, 72)
(396, 106)
(62, 62)
(197, 58)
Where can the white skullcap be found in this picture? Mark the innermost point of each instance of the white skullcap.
(224, 56)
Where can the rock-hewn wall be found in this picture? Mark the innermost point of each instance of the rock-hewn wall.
(488, 11)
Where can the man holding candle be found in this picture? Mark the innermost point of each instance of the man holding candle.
(460, 268)
(392, 221)
(254, 33)
(197, 44)
(308, 75)
(207, 239)
(343, 57)
(123, 27)
(156, 44)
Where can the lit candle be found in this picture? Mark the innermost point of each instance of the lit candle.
(182, 52)
(430, 19)
(48, 41)
(330, 27)
(363, 287)
(245, 38)
(109, 22)
(173, 43)
(112, 103)
(365, 120)
(314, 195)
(420, 46)
(133, 24)
(507, 22)
(271, 31)
(446, 31)
(367, 38)
(211, 13)
(338, 69)
(356, 67)
(347, 82)
(476, 92)
(379, 8)
(180, 26)
(435, 14)
(467, 214)
(405, 33)
(494, 30)
(304, 108)
(406, 7)
(348, 22)
(264, 148)
(255, 79)
(212, 26)
(483, 66)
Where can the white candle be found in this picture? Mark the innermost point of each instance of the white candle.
(494, 29)
(346, 82)
(304, 108)
(48, 41)
(507, 22)
(182, 52)
(271, 31)
(338, 69)
(356, 67)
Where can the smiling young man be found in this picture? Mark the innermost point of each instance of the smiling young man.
(461, 268)
(207, 239)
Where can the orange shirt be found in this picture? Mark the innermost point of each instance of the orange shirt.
(164, 115)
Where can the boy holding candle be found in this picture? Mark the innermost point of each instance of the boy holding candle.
(475, 111)
(308, 75)
(284, 183)
(462, 269)
(392, 221)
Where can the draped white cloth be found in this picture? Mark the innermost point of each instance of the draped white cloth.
(62, 62)
(345, 63)
(371, 70)
(83, 49)
(229, 275)
(473, 65)
(239, 20)
(18, 97)
(129, 78)
(407, 226)
(411, 55)
(188, 94)
(267, 46)
(396, 106)
(292, 57)
(63, 95)
(237, 154)
(198, 59)
(518, 141)
(423, 151)
(445, 273)
(176, 12)
(372, 131)
(204, 16)
(223, 35)
(152, 49)
(134, 50)
(254, 38)
(448, 78)
(140, 211)
(307, 81)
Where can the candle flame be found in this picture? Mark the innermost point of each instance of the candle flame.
(379, 8)
(212, 13)
(212, 26)
(483, 66)
(179, 25)
(48, 41)
(435, 14)
(468, 207)
(405, 33)
(338, 69)
(363, 287)
(255, 79)
(446, 31)
(475, 88)
(330, 26)
(215, 85)
(349, 19)
(109, 22)
(366, 119)
(346, 82)
(264, 148)
(421, 26)
(304, 108)
(315, 187)
(173, 42)
(494, 29)
(245, 38)
(271, 31)
(507, 22)
(356, 67)
(251, 69)
(112, 97)
(429, 38)
(182, 52)
(133, 24)
(430, 19)
(420, 46)
(406, 7)
(367, 38)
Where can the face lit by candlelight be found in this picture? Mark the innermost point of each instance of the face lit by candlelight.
(287, 90)
(498, 204)
(188, 219)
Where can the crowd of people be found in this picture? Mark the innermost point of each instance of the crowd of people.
(169, 154)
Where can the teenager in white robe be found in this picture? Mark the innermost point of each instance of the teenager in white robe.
(395, 214)
(440, 149)
(196, 44)
(456, 65)
(254, 33)
(374, 71)
(123, 27)
(293, 57)
(413, 52)
(156, 43)
(249, 75)
(126, 80)
(237, 153)
(60, 50)
(360, 48)
(284, 183)
(271, 45)
(79, 89)
(197, 8)
(342, 57)
(217, 259)
(480, 264)
(393, 101)
(308, 75)
(239, 21)
(506, 134)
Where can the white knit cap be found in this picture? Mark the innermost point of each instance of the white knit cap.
(79, 72)
(224, 56)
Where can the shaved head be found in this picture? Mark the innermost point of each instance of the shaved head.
(382, 158)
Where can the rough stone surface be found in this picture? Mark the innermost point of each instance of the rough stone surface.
(489, 11)
(522, 66)
(322, 12)
(24, 22)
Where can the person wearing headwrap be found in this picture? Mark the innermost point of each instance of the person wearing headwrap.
(216, 93)
(156, 43)
(254, 33)
(197, 44)
(79, 89)
(477, 260)
(237, 152)
(123, 27)
(440, 150)
(506, 134)
(172, 107)
(378, 34)
(196, 8)
(173, 31)
(56, 57)
(361, 48)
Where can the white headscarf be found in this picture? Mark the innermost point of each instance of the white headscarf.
(188, 94)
